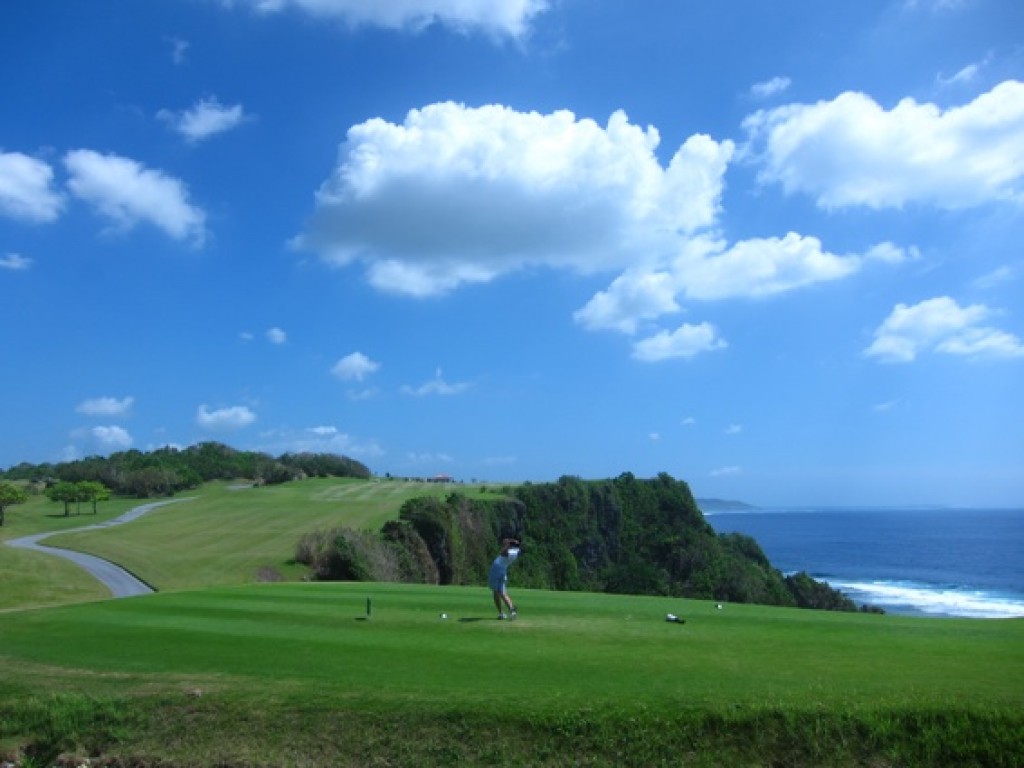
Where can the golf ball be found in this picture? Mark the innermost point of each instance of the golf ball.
(444, 615)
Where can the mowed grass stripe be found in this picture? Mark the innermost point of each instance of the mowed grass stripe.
(575, 650)
(340, 489)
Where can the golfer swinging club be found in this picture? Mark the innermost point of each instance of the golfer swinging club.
(498, 577)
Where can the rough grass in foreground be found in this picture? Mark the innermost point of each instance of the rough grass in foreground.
(223, 731)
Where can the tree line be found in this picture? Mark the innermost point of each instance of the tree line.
(89, 491)
(168, 470)
(626, 535)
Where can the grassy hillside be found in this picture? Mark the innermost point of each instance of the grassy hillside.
(30, 579)
(226, 534)
(296, 674)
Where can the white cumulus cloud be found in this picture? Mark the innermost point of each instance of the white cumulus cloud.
(759, 267)
(686, 341)
(851, 151)
(206, 118)
(707, 269)
(631, 298)
(234, 417)
(26, 188)
(493, 17)
(941, 325)
(112, 437)
(276, 336)
(892, 254)
(481, 192)
(456, 195)
(106, 406)
(126, 192)
(355, 367)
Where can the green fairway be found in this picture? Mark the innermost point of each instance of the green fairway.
(226, 533)
(566, 649)
(592, 658)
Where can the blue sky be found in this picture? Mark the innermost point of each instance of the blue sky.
(773, 249)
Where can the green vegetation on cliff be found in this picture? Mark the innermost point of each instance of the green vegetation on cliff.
(626, 536)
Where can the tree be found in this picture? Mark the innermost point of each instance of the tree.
(152, 481)
(10, 494)
(65, 493)
(90, 490)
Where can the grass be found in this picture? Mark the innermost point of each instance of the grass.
(226, 534)
(219, 670)
(31, 579)
(567, 649)
(603, 669)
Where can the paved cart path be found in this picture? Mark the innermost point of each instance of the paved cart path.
(115, 578)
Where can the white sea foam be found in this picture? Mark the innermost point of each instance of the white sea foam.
(906, 597)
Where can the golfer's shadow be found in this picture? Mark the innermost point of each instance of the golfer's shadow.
(465, 620)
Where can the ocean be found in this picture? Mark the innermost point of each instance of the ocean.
(921, 562)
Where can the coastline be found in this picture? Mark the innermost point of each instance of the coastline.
(932, 601)
(938, 562)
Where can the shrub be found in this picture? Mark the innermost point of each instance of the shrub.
(810, 593)
(415, 564)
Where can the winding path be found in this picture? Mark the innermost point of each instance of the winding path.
(115, 578)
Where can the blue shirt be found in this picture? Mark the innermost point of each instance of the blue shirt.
(499, 569)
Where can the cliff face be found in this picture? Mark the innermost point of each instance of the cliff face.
(640, 537)
(624, 535)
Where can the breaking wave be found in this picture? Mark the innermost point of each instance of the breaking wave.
(903, 597)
